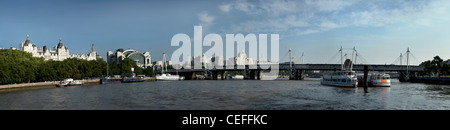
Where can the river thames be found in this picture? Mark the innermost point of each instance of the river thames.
(307, 94)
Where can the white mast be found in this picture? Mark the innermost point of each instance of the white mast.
(351, 62)
(342, 64)
(290, 62)
(407, 60)
(401, 57)
(303, 57)
(164, 63)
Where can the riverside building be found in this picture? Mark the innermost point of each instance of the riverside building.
(58, 53)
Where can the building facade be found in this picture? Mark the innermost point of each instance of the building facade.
(143, 60)
(58, 53)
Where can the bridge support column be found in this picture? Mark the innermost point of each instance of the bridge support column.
(258, 75)
(300, 75)
(214, 75)
(252, 74)
(292, 74)
(403, 76)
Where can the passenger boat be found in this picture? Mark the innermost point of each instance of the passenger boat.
(344, 77)
(340, 78)
(380, 80)
(168, 77)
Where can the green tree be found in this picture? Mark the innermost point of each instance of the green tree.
(149, 71)
(436, 64)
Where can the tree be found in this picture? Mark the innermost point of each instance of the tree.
(436, 64)
(148, 71)
(427, 66)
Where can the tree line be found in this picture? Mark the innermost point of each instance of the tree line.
(436, 67)
(21, 67)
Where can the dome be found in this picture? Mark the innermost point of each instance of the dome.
(27, 41)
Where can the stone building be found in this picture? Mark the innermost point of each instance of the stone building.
(143, 60)
(58, 53)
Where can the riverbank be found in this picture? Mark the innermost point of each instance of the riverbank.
(443, 80)
(45, 84)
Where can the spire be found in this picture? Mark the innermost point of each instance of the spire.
(28, 37)
(60, 44)
(92, 49)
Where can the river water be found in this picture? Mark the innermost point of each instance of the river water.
(229, 94)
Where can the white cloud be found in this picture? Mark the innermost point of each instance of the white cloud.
(270, 25)
(205, 19)
(329, 5)
(378, 15)
(316, 16)
(281, 7)
(225, 7)
(243, 5)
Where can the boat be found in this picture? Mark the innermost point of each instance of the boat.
(75, 83)
(340, 78)
(344, 77)
(69, 82)
(168, 77)
(63, 83)
(108, 79)
(380, 80)
(132, 79)
(237, 77)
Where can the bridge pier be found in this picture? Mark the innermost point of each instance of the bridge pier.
(300, 74)
(404, 76)
(214, 75)
(258, 74)
(297, 75)
(252, 74)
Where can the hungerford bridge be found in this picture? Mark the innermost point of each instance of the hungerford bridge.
(254, 71)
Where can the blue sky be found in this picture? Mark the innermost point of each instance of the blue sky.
(379, 29)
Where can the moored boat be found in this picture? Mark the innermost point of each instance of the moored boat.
(344, 77)
(340, 78)
(109, 79)
(168, 77)
(237, 77)
(69, 82)
(75, 83)
(165, 76)
(380, 80)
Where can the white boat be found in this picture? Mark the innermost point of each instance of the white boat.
(344, 77)
(69, 82)
(75, 83)
(62, 84)
(340, 78)
(168, 77)
(237, 77)
(380, 80)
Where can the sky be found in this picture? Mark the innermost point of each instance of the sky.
(379, 29)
